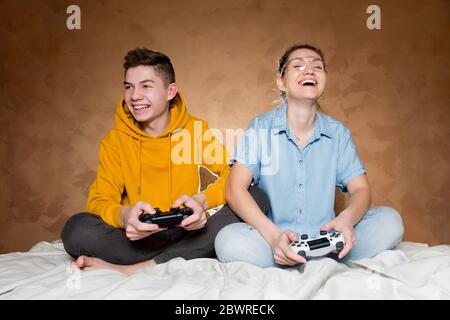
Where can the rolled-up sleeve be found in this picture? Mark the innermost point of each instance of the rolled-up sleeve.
(247, 151)
(349, 165)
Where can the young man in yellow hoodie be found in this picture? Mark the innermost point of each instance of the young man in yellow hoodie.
(151, 160)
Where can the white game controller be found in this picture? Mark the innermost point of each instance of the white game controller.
(320, 246)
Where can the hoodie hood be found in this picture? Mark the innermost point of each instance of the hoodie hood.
(179, 117)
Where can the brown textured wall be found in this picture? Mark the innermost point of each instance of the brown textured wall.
(59, 89)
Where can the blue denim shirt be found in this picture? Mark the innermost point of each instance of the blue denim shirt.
(300, 183)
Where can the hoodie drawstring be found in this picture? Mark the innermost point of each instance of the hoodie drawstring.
(140, 166)
(170, 169)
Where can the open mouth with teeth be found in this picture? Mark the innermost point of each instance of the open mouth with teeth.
(308, 83)
(140, 107)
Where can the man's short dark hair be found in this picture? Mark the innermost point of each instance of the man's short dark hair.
(146, 57)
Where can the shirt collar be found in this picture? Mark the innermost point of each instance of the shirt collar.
(279, 123)
(321, 126)
(280, 119)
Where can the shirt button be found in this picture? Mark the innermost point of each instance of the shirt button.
(300, 162)
(300, 211)
(300, 186)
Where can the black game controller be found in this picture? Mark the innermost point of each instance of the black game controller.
(166, 219)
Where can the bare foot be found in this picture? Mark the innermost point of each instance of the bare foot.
(88, 263)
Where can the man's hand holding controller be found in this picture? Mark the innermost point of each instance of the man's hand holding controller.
(198, 204)
(135, 229)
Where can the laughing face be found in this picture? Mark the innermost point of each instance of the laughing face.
(304, 76)
(147, 95)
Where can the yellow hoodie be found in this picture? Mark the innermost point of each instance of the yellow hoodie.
(134, 166)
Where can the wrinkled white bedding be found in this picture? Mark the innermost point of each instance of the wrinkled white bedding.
(411, 271)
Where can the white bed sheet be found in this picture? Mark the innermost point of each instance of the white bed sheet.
(411, 271)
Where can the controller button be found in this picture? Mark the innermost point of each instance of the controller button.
(322, 233)
(304, 236)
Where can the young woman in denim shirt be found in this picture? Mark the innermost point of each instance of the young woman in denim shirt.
(298, 156)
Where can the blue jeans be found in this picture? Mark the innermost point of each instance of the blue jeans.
(381, 228)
